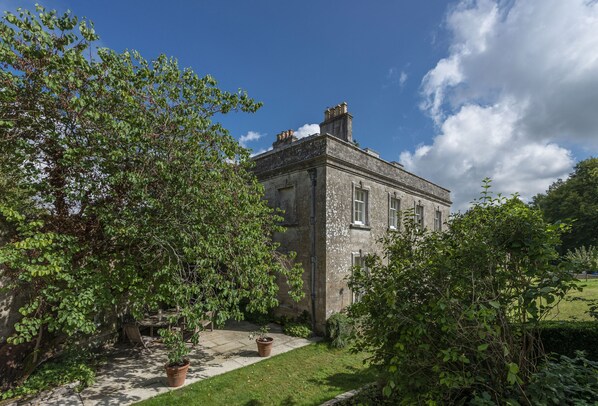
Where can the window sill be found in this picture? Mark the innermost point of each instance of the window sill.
(360, 226)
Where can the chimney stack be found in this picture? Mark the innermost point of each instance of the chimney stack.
(338, 122)
(284, 138)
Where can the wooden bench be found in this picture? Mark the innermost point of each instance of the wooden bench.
(134, 335)
(208, 321)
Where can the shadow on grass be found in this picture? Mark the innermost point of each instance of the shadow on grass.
(346, 381)
(288, 401)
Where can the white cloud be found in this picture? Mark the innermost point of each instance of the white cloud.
(249, 137)
(394, 78)
(519, 79)
(478, 142)
(261, 151)
(306, 130)
(402, 78)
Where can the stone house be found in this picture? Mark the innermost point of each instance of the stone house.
(339, 200)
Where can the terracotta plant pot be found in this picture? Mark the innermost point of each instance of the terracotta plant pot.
(264, 346)
(176, 375)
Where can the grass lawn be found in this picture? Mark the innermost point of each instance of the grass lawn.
(309, 375)
(572, 308)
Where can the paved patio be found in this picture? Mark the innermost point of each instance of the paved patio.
(131, 375)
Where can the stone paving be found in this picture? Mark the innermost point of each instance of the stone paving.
(131, 375)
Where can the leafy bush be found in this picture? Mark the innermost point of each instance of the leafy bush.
(338, 330)
(297, 330)
(558, 382)
(258, 318)
(283, 320)
(70, 368)
(304, 318)
(176, 346)
(565, 381)
(568, 337)
(453, 314)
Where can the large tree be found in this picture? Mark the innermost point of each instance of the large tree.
(120, 192)
(575, 201)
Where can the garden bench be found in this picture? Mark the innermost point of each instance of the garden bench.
(134, 335)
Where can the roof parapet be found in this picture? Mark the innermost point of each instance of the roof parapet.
(284, 138)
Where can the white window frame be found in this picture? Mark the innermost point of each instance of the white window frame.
(437, 220)
(357, 259)
(419, 217)
(364, 219)
(393, 212)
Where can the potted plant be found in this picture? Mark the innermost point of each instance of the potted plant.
(264, 342)
(178, 364)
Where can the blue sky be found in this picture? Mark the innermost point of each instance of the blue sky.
(456, 91)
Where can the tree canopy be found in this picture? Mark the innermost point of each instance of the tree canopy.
(575, 201)
(120, 193)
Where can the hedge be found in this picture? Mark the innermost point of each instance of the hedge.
(566, 337)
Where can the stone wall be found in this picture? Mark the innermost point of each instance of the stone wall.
(340, 167)
(345, 240)
(297, 236)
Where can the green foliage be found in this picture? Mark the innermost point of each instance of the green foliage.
(72, 367)
(258, 318)
(566, 381)
(304, 318)
(176, 346)
(567, 337)
(574, 200)
(452, 314)
(338, 330)
(297, 330)
(583, 259)
(122, 194)
(261, 334)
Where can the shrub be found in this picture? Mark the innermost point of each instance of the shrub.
(258, 318)
(452, 314)
(565, 381)
(284, 320)
(568, 337)
(304, 318)
(297, 330)
(338, 330)
(176, 346)
(71, 367)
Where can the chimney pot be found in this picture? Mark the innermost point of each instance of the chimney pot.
(338, 122)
